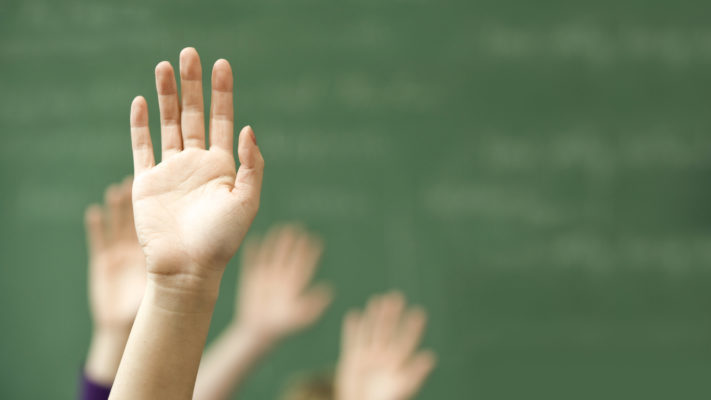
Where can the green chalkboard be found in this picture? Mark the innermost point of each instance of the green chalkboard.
(535, 174)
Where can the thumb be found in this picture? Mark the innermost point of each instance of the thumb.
(248, 183)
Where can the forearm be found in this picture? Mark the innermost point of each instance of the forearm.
(105, 351)
(228, 361)
(163, 351)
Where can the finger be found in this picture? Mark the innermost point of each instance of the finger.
(315, 302)
(266, 279)
(370, 319)
(171, 141)
(284, 249)
(389, 317)
(221, 107)
(250, 282)
(250, 268)
(95, 229)
(411, 331)
(418, 369)
(378, 319)
(248, 183)
(192, 112)
(306, 255)
(362, 332)
(282, 263)
(112, 199)
(267, 247)
(349, 331)
(141, 137)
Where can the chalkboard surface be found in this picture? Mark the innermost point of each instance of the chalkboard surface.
(535, 174)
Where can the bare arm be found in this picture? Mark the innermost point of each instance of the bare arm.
(228, 361)
(192, 211)
(274, 301)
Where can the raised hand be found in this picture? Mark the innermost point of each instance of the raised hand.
(192, 211)
(273, 296)
(194, 208)
(117, 278)
(379, 357)
(274, 300)
(117, 267)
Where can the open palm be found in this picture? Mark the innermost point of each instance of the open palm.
(275, 299)
(379, 356)
(193, 209)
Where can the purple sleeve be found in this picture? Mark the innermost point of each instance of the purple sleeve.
(90, 390)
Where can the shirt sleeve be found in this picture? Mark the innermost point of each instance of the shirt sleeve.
(90, 390)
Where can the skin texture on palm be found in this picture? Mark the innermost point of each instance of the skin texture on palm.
(380, 359)
(192, 211)
(194, 208)
(117, 278)
(274, 301)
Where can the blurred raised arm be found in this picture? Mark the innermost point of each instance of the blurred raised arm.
(117, 278)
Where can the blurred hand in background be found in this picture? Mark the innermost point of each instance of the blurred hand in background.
(380, 359)
(274, 300)
(117, 278)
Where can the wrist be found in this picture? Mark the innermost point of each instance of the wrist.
(115, 336)
(182, 293)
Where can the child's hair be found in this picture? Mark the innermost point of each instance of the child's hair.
(313, 387)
